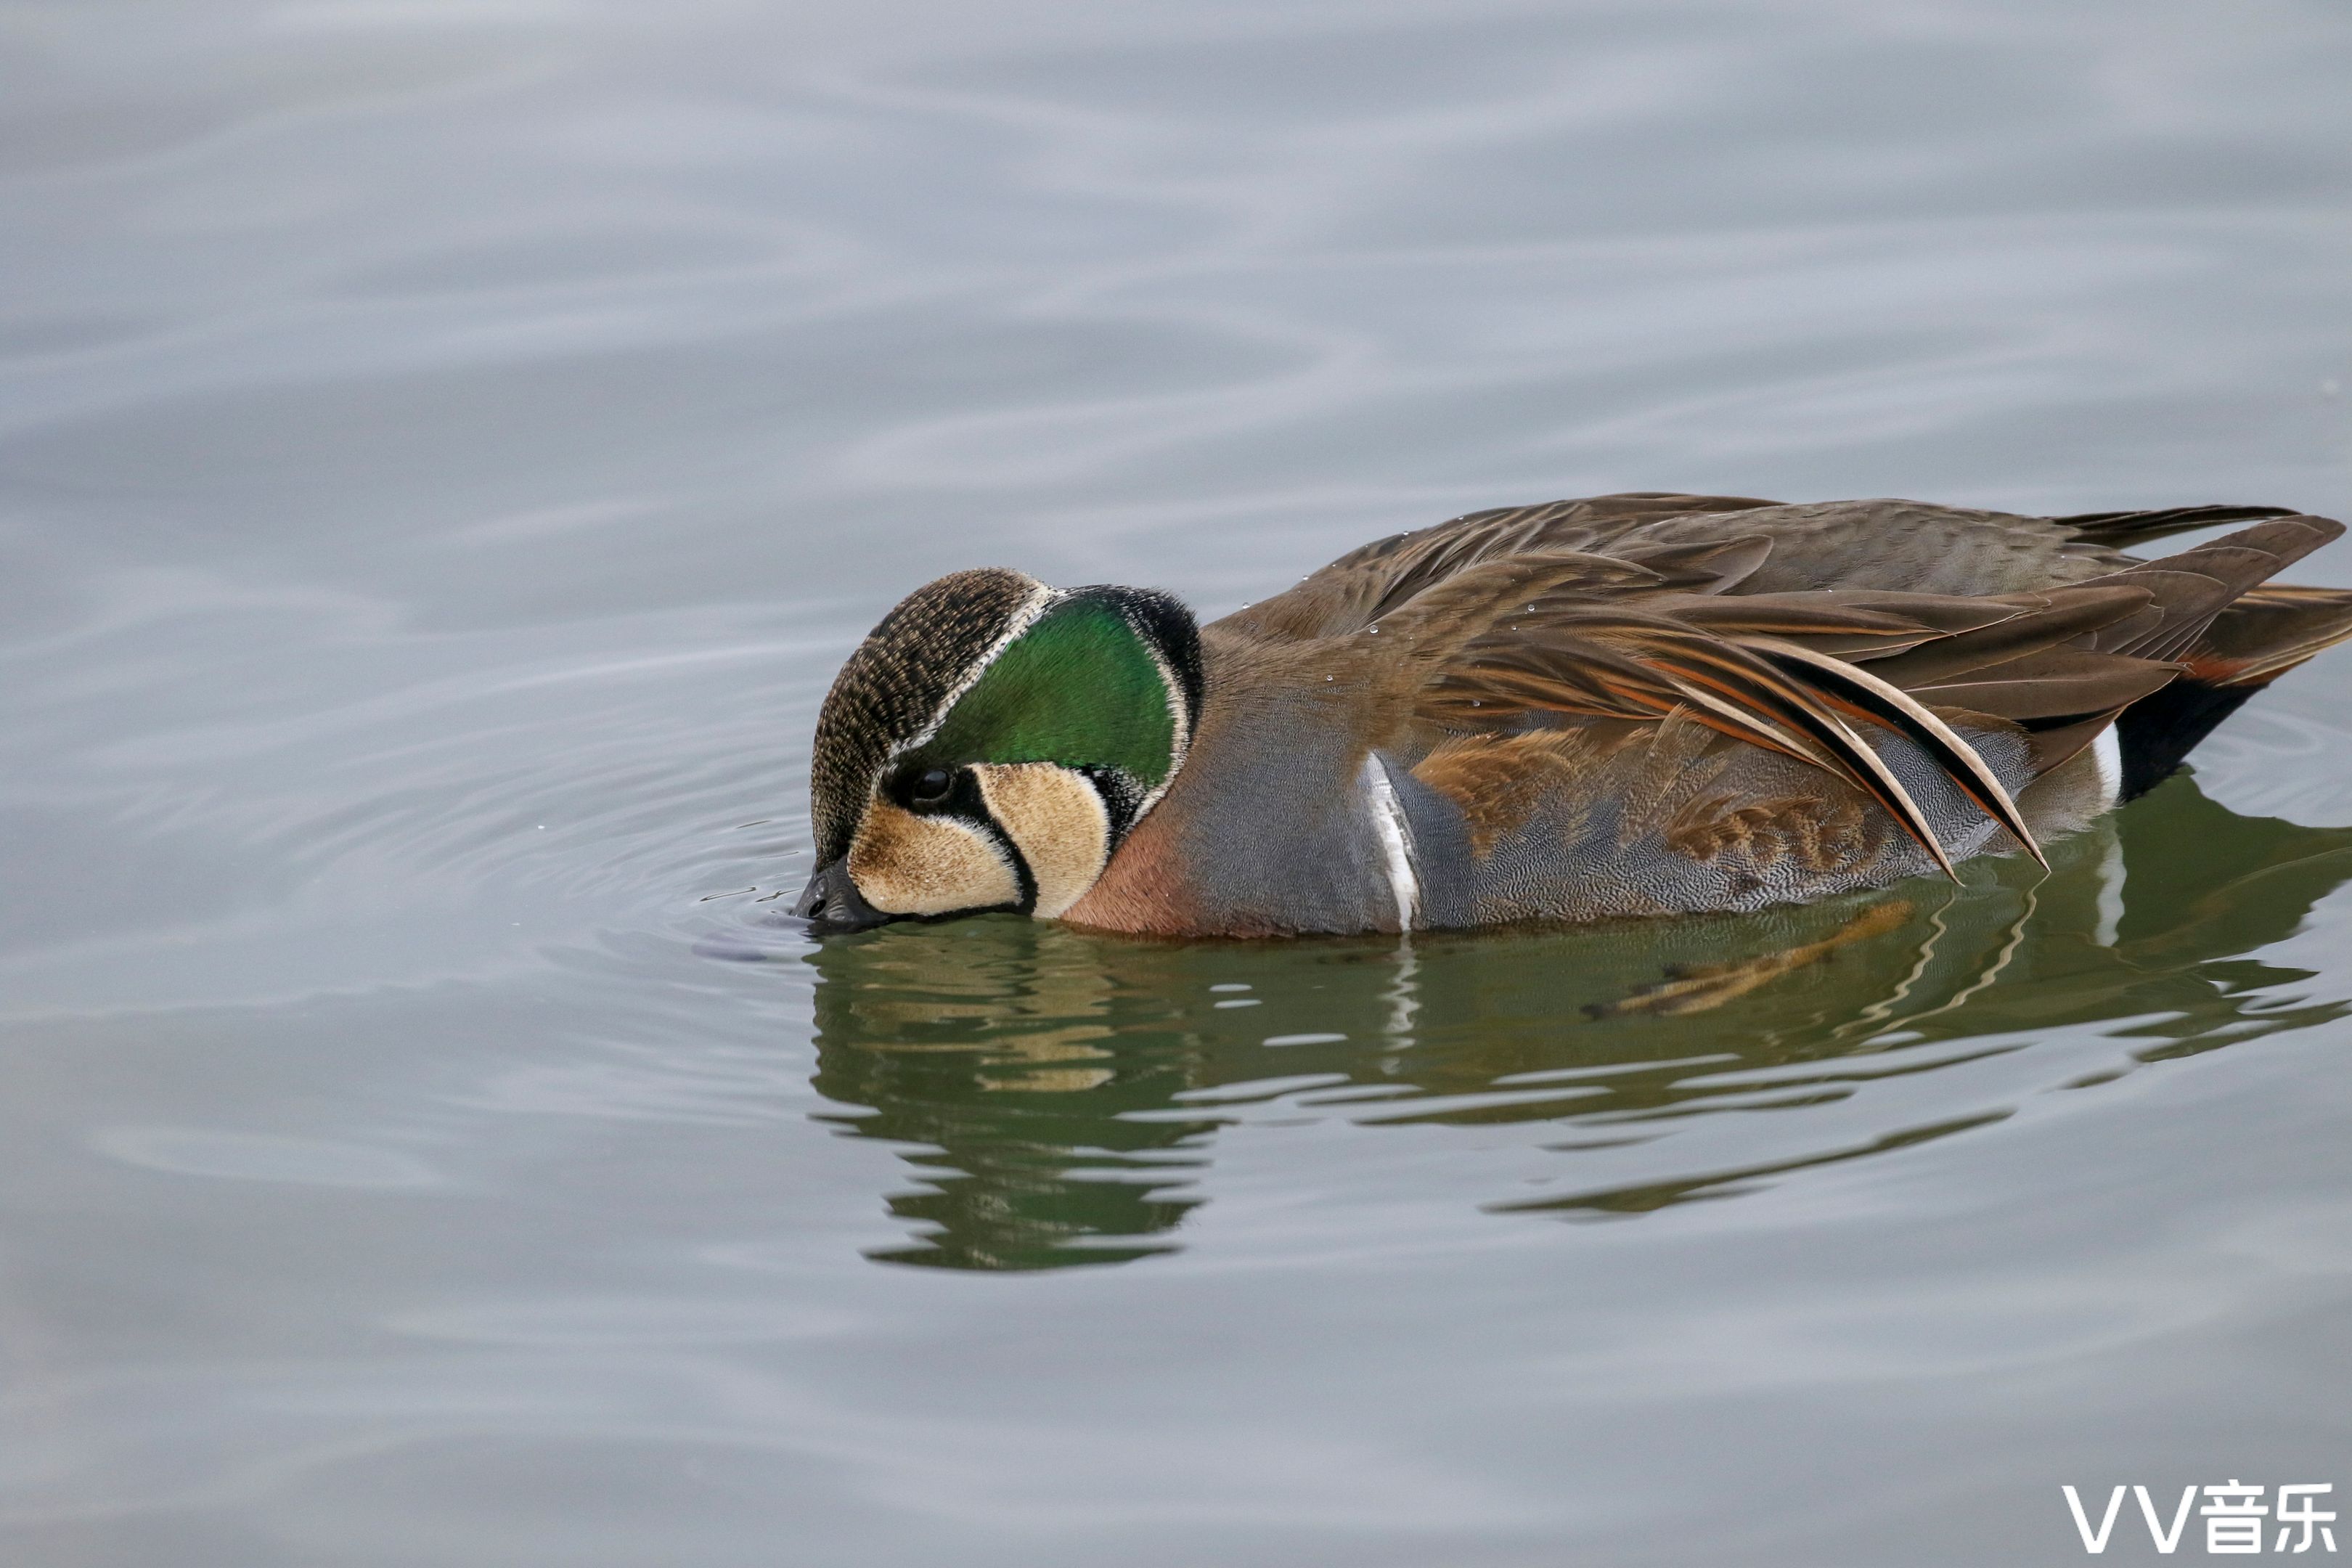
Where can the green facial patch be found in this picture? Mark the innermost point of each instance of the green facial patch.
(1079, 688)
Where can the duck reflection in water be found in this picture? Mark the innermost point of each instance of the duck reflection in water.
(1058, 1094)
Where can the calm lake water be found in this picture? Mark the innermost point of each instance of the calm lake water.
(446, 448)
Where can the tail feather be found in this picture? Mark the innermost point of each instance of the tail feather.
(2198, 585)
(2270, 631)
(2121, 529)
(2229, 629)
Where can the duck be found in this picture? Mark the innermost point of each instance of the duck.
(1638, 705)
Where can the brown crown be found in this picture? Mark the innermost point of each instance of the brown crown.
(895, 684)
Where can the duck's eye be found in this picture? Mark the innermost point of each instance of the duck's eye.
(931, 786)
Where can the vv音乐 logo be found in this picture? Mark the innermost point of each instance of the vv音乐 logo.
(2234, 1516)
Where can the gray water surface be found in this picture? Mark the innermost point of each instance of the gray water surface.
(446, 448)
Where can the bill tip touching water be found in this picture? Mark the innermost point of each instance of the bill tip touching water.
(1628, 705)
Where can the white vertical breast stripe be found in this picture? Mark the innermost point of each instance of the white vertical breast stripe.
(1380, 804)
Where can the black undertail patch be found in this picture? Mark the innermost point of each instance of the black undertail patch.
(2158, 732)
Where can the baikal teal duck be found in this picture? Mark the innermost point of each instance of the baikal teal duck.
(1629, 705)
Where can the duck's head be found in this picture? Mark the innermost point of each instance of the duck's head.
(991, 742)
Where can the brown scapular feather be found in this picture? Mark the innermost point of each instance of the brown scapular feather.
(1868, 696)
(1608, 662)
(1785, 671)
(1369, 581)
(1872, 625)
(1716, 567)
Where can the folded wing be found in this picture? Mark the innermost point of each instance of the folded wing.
(1512, 643)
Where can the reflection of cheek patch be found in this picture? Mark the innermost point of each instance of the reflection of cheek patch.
(1057, 819)
(909, 865)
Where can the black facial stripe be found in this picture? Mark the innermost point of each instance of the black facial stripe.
(1121, 796)
(964, 801)
(1021, 872)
